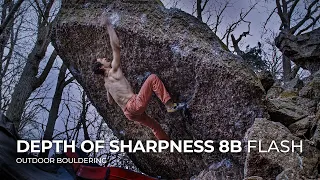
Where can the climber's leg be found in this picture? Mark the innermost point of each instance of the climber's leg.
(152, 84)
(134, 111)
(145, 120)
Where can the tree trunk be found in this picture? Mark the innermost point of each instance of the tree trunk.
(82, 121)
(28, 81)
(54, 110)
(286, 66)
(4, 38)
(83, 117)
(199, 10)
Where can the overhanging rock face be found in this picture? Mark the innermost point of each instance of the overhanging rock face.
(302, 49)
(186, 55)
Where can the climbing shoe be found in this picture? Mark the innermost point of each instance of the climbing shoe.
(176, 107)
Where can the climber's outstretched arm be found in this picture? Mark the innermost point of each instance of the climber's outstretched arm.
(115, 44)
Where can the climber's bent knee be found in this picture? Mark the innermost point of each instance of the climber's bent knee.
(152, 77)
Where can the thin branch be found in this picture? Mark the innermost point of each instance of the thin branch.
(218, 17)
(280, 13)
(10, 16)
(314, 21)
(232, 27)
(46, 70)
(66, 131)
(306, 17)
(269, 17)
(68, 81)
(205, 4)
(292, 8)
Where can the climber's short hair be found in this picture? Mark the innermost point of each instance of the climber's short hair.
(97, 68)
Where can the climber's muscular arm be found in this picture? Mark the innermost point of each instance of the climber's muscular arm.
(110, 99)
(114, 41)
(115, 44)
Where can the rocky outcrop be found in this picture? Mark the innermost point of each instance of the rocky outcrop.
(315, 130)
(274, 91)
(285, 112)
(293, 84)
(290, 110)
(217, 171)
(312, 89)
(294, 113)
(272, 164)
(294, 105)
(266, 79)
(302, 127)
(225, 96)
(303, 49)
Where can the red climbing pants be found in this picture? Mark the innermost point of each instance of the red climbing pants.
(137, 104)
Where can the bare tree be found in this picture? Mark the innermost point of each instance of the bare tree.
(53, 113)
(295, 20)
(273, 56)
(82, 119)
(9, 38)
(8, 18)
(83, 115)
(29, 81)
(200, 8)
(232, 27)
(214, 11)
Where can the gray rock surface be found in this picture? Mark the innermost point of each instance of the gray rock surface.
(286, 111)
(288, 174)
(294, 84)
(274, 91)
(315, 130)
(225, 95)
(302, 127)
(312, 89)
(303, 49)
(270, 165)
(253, 178)
(223, 170)
(266, 79)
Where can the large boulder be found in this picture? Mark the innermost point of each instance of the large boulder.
(266, 79)
(288, 110)
(220, 170)
(225, 96)
(303, 127)
(294, 84)
(302, 49)
(312, 88)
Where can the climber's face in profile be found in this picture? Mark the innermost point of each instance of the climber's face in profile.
(105, 62)
(102, 66)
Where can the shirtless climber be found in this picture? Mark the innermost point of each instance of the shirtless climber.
(120, 91)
